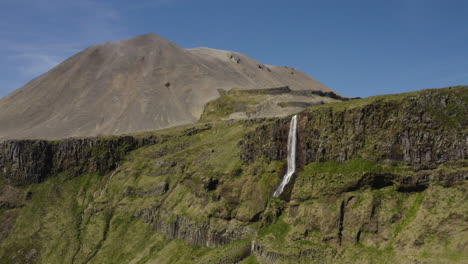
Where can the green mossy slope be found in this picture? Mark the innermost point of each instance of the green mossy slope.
(202, 193)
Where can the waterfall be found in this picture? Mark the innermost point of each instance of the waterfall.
(291, 156)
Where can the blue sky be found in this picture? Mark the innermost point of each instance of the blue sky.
(357, 48)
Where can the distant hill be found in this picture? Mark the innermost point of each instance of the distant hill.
(139, 84)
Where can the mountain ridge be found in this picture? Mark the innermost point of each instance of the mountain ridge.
(138, 84)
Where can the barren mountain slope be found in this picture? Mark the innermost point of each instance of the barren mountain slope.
(138, 84)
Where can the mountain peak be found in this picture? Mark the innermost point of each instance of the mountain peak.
(138, 84)
(147, 39)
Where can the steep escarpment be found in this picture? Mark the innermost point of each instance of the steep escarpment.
(382, 179)
(358, 212)
(379, 180)
(418, 129)
(31, 161)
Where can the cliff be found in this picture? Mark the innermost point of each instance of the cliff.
(32, 161)
(418, 129)
(379, 180)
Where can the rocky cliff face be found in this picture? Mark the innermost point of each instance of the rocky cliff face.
(214, 233)
(31, 161)
(379, 180)
(422, 139)
(424, 130)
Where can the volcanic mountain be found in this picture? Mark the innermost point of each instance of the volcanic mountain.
(133, 85)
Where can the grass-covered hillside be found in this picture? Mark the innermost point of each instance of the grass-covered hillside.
(379, 180)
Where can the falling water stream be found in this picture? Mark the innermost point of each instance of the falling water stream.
(291, 156)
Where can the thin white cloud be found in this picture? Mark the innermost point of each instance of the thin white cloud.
(37, 64)
(32, 60)
(29, 53)
(32, 53)
(149, 4)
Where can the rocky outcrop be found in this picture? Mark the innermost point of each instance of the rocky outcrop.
(241, 104)
(287, 90)
(195, 130)
(312, 255)
(233, 255)
(25, 161)
(210, 232)
(421, 130)
(322, 94)
(31, 161)
(422, 179)
(272, 138)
